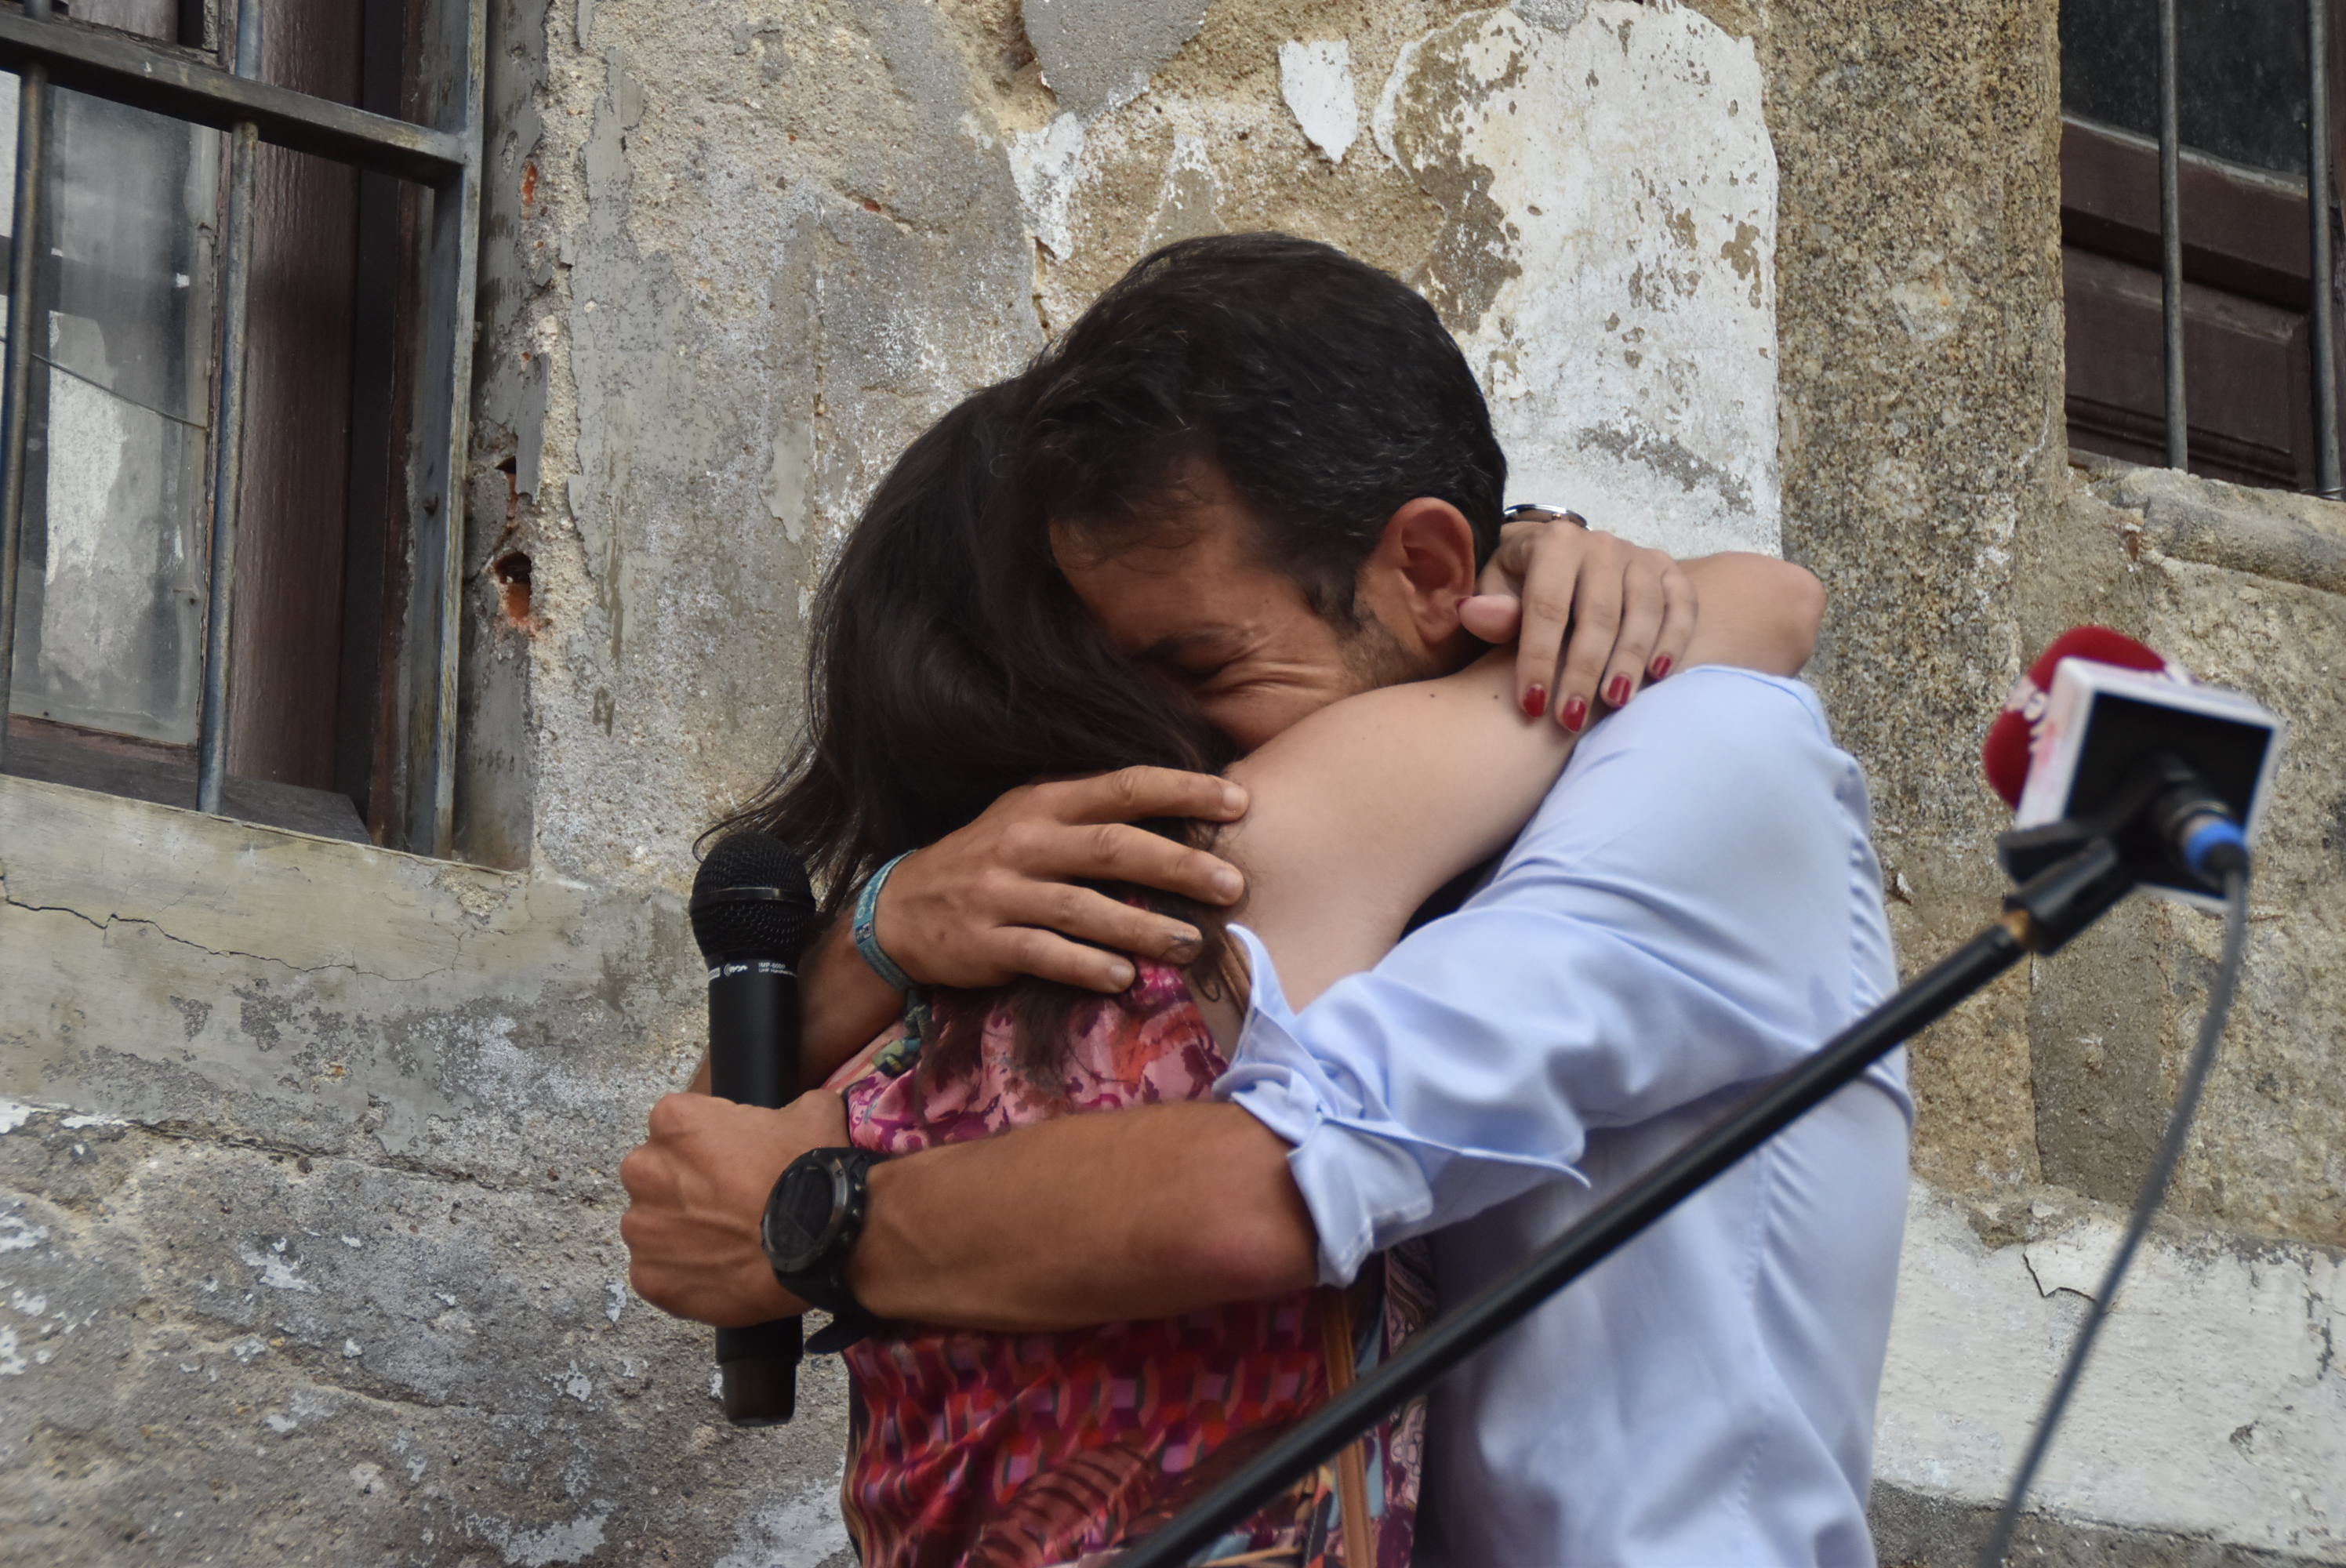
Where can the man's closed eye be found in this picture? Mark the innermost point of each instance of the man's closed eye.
(1202, 678)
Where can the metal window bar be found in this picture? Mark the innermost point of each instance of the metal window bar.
(2170, 236)
(16, 372)
(2322, 283)
(227, 424)
(46, 52)
(2320, 280)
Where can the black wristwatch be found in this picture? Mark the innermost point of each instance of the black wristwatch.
(812, 1220)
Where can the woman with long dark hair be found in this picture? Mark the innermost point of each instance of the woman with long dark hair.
(938, 680)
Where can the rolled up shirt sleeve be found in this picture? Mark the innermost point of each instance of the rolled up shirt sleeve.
(1694, 906)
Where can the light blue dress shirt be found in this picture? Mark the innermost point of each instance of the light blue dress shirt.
(1696, 906)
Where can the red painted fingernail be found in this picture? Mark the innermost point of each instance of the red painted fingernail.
(1576, 713)
(1661, 665)
(1618, 693)
(1535, 701)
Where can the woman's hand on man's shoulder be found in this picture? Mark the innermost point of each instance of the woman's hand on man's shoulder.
(1592, 615)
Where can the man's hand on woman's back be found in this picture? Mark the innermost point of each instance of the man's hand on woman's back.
(1000, 898)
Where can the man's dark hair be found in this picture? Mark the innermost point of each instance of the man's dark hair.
(1326, 392)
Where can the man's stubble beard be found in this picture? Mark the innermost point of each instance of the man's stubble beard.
(1374, 657)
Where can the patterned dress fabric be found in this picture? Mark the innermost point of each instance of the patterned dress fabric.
(973, 1450)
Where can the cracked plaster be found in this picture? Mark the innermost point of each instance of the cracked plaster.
(2209, 1339)
(225, 981)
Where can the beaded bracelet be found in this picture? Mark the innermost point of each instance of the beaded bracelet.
(867, 940)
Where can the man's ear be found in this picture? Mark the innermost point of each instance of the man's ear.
(1422, 570)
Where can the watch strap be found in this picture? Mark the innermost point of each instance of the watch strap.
(823, 1284)
(842, 1330)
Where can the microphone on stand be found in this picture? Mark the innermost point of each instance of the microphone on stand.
(2126, 772)
(2011, 740)
(752, 911)
(2103, 738)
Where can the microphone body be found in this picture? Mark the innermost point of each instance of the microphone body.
(753, 1031)
(752, 910)
(753, 1060)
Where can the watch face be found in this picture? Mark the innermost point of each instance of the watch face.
(799, 1216)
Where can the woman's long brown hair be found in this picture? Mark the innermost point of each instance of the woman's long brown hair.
(947, 663)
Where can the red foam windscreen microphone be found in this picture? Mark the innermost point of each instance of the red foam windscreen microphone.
(2005, 753)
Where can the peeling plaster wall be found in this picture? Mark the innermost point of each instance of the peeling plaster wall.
(1610, 278)
(1609, 275)
(2211, 1407)
(308, 1246)
(782, 243)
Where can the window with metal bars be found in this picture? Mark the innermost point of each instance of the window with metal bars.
(241, 239)
(2230, 322)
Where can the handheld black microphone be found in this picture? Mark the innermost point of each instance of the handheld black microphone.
(752, 910)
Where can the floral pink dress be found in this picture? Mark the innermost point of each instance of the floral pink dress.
(974, 1450)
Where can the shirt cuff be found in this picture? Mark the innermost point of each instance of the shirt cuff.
(1367, 1180)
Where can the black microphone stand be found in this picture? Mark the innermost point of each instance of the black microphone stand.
(2105, 859)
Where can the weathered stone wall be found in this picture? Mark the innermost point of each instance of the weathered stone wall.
(2215, 1409)
(1924, 479)
(307, 1225)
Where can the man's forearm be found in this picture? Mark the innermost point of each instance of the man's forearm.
(1095, 1219)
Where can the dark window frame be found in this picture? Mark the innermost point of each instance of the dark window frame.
(408, 675)
(2247, 299)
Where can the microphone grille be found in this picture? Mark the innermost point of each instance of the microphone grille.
(2005, 753)
(2099, 645)
(751, 899)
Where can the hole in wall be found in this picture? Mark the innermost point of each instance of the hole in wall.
(512, 572)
